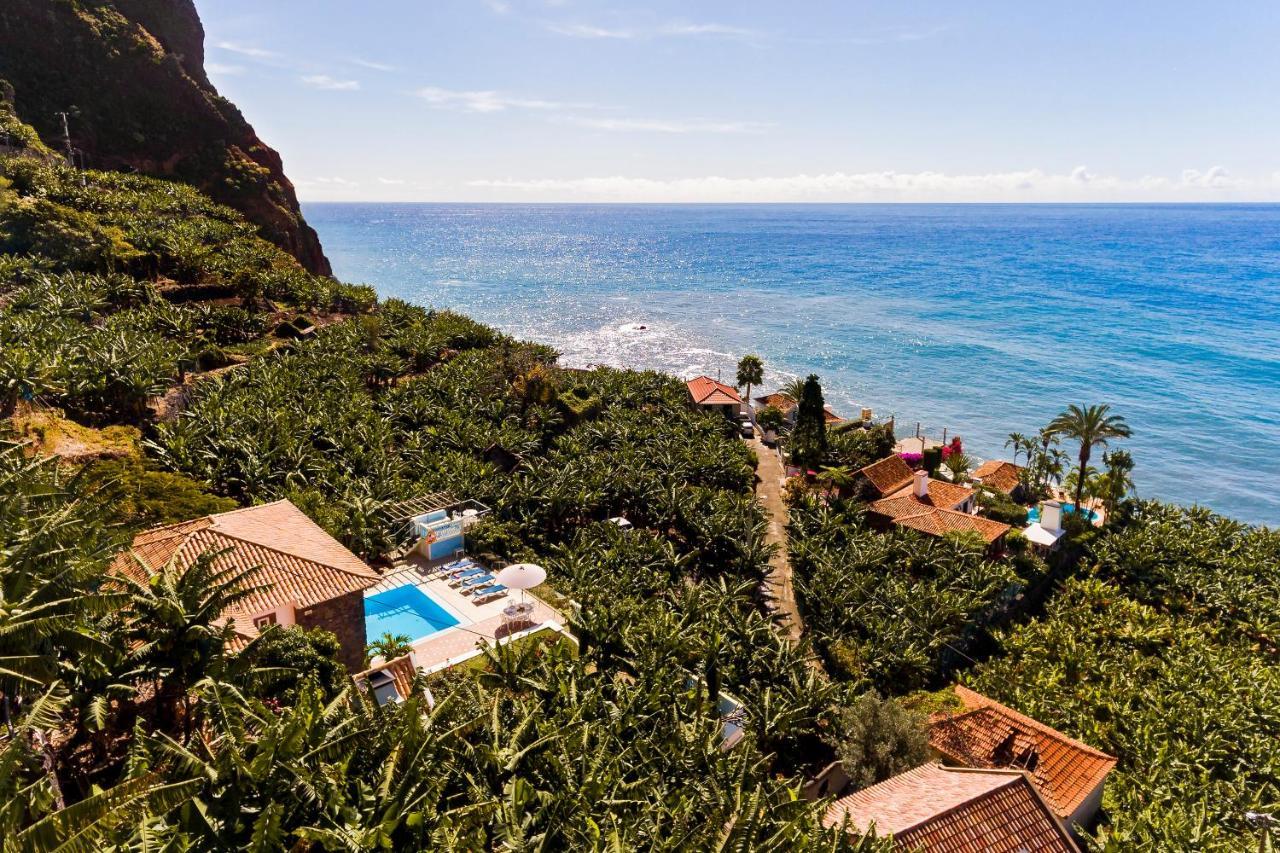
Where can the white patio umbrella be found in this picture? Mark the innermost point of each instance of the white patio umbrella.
(522, 576)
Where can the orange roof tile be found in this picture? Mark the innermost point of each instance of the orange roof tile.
(889, 474)
(939, 522)
(298, 562)
(1064, 771)
(998, 474)
(708, 392)
(939, 493)
(779, 400)
(951, 810)
(400, 669)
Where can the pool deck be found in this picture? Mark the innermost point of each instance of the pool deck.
(480, 622)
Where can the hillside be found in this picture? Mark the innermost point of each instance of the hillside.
(131, 73)
(161, 361)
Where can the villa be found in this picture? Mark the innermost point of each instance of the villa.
(914, 500)
(954, 810)
(712, 394)
(786, 404)
(1067, 774)
(1001, 476)
(305, 577)
(447, 605)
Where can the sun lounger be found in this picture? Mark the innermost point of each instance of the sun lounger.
(474, 583)
(455, 580)
(464, 563)
(489, 593)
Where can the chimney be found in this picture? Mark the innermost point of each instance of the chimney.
(922, 484)
(1051, 516)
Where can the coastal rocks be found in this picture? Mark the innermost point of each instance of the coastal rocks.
(130, 74)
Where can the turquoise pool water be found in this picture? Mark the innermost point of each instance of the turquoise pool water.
(1033, 514)
(405, 610)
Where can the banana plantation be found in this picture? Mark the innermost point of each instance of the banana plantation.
(129, 723)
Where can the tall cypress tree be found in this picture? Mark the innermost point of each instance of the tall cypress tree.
(809, 438)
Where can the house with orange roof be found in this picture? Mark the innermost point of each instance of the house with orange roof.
(914, 500)
(943, 809)
(306, 577)
(998, 475)
(1068, 775)
(787, 404)
(708, 393)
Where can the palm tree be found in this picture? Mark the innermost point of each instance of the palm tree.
(958, 464)
(793, 389)
(1018, 442)
(750, 372)
(838, 478)
(175, 626)
(1091, 426)
(1117, 480)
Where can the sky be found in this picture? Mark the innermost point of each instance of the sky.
(758, 101)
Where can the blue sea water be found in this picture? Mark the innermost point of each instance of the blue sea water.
(983, 319)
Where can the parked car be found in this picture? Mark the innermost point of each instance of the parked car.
(747, 430)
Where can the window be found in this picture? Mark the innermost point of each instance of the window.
(265, 621)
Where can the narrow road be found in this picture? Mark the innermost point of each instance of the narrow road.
(769, 479)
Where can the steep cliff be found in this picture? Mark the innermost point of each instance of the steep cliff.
(131, 75)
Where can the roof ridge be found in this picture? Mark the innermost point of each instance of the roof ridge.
(274, 550)
(241, 509)
(1014, 774)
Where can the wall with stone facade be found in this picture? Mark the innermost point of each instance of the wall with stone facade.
(345, 618)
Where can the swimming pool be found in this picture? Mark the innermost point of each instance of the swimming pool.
(1033, 514)
(405, 610)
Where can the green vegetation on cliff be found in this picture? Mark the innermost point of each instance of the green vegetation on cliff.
(130, 75)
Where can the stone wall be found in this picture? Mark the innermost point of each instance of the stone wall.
(345, 618)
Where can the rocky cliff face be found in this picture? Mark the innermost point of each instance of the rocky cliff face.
(131, 75)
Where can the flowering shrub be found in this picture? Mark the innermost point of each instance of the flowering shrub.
(912, 459)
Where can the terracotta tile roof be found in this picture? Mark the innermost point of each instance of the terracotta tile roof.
(299, 563)
(951, 810)
(940, 493)
(889, 474)
(708, 392)
(938, 522)
(1064, 771)
(777, 399)
(998, 474)
(785, 404)
(400, 669)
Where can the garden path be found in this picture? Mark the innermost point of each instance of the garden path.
(778, 587)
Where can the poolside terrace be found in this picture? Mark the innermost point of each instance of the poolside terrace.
(477, 622)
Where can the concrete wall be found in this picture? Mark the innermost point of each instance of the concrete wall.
(345, 618)
(1087, 811)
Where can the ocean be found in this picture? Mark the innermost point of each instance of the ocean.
(980, 319)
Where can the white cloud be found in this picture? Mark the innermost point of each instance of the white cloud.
(672, 29)
(681, 28)
(330, 84)
(1026, 185)
(223, 70)
(391, 182)
(246, 50)
(375, 66)
(326, 183)
(589, 31)
(487, 101)
(670, 125)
